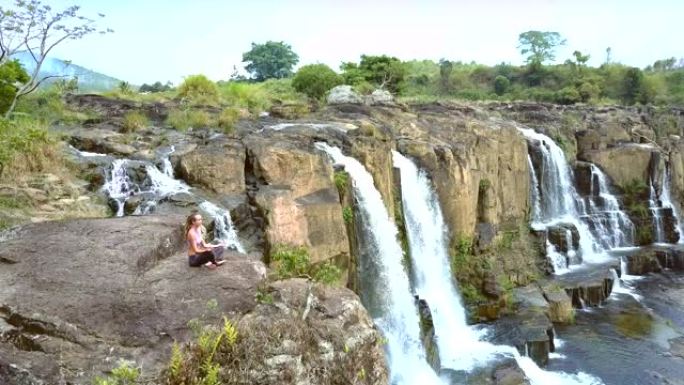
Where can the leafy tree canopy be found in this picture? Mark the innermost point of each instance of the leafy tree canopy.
(539, 45)
(273, 59)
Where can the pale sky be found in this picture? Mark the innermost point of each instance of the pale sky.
(169, 39)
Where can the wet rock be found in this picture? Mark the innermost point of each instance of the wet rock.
(584, 183)
(565, 237)
(344, 95)
(642, 262)
(590, 293)
(485, 235)
(677, 347)
(612, 161)
(560, 308)
(510, 374)
(670, 225)
(670, 258)
(587, 141)
(427, 330)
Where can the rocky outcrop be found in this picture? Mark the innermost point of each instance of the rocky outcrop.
(78, 295)
(488, 164)
(218, 167)
(297, 197)
(344, 94)
(310, 334)
(613, 160)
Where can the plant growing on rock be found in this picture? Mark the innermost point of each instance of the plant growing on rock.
(347, 215)
(134, 121)
(182, 120)
(341, 181)
(227, 119)
(124, 374)
(198, 89)
(327, 273)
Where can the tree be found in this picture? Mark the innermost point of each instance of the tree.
(11, 74)
(270, 60)
(36, 28)
(156, 87)
(633, 84)
(381, 71)
(315, 80)
(501, 84)
(445, 69)
(539, 45)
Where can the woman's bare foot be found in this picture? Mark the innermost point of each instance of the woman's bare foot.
(219, 263)
(210, 265)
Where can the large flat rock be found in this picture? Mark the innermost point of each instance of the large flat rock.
(76, 296)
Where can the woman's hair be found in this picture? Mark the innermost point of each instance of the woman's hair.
(189, 221)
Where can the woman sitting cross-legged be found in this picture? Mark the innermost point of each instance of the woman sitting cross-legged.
(201, 253)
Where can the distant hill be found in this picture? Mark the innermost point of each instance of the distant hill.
(88, 80)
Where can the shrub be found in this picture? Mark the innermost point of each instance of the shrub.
(198, 89)
(245, 95)
(25, 147)
(290, 261)
(327, 273)
(315, 80)
(11, 72)
(347, 215)
(227, 119)
(341, 181)
(501, 84)
(133, 121)
(568, 95)
(183, 120)
(124, 374)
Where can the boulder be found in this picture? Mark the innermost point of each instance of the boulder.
(344, 94)
(380, 98)
(125, 292)
(219, 167)
(311, 334)
(560, 308)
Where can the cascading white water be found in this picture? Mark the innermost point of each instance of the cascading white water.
(560, 203)
(459, 346)
(609, 223)
(657, 217)
(118, 185)
(397, 314)
(534, 190)
(167, 167)
(666, 201)
(223, 226)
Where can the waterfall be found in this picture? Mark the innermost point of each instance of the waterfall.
(611, 225)
(118, 186)
(534, 191)
(459, 346)
(394, 310)
(223, 226)
(562, 205)
(167, 167)
(657, 217)
(666, 201)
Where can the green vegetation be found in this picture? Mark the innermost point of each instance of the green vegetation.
(539, 45)
(341, 181)
(26, 146)
(182, 120)
(375, 72)
(124, 374)
(294, 261)
(199, 90)
(200, 363)
(635, 197)
(227, 119)
(134, 121)
(315, 80)
(347, 215)
(37, 28)
(156, 87)
(270, 60)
